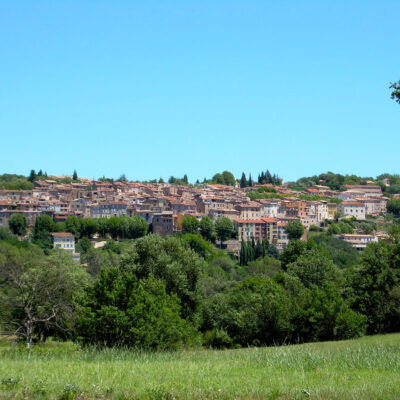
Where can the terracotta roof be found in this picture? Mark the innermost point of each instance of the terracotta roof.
(61, 234)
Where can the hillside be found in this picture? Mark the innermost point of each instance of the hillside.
(366, 368)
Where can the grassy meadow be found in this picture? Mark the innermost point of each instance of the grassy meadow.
(366, 368)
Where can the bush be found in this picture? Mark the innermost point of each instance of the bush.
(123, 311)
(217, 339)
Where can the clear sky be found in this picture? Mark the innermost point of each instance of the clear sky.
(165, 88)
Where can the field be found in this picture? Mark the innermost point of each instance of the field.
(366, 368)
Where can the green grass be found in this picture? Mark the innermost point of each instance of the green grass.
(366, 368)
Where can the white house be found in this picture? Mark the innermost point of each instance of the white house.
(352, 209)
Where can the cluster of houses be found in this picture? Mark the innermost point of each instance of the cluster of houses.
(164, 205)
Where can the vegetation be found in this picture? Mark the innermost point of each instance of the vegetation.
(395, 91)
(366, 368)
(263, 178)
(224, 229)
(226, 178)
(15, 182)
(294, 230)
(17, 224)
(184, 291)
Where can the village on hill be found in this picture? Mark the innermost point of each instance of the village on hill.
(258, 212)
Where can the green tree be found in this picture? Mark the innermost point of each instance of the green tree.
(202, 247)
(293, 251)
(224, 229)
(73, 225)
(38, 294)
(88, 227)
(44, 225)
(137, 227)
(218, 179)
(190, 224)
(294, 230)
(122, 310)
(396, 91)
(313, 267)
(250, 183)
(324, 315)
(206, 226)
(264, 267)
(259, 313)
(373, 286)
(343, 254)
(229, 178)
(75, 175)
(32, 176)
(84, 245)
(393, 206)
(170, 260)
(17, 224)
(243, 181)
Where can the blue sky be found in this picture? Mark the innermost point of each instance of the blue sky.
(165, 88)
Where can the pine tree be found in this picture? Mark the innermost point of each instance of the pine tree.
(243, 181)
(75, 175)
(185, 179)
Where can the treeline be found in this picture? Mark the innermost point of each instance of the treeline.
(338, 181)
(115, 227)
(165, 293)
(21, 182)
(263, 178)
(15, 182)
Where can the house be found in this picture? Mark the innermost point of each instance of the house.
(352, 209)
(332, 210)
(249, 229)
(163, 223)
(282, 239)
(269, 208)
(251, 210)
(65, 241)
(367, 190)
(224, 212)
(358, 241)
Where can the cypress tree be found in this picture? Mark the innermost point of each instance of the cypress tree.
(32, 176)
(250, 181)
(242, 256)
(268, 177)
(243, 181)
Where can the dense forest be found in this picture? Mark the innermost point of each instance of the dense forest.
(147, 291)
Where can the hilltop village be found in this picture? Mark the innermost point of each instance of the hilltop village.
(258, 212)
